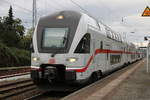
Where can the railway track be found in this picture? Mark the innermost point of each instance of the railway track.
(24, 89)
(49, 96)
(11, 71)
(17, 89)
(13, 75)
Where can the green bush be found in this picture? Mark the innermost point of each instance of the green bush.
(13, 56)
(23, 56)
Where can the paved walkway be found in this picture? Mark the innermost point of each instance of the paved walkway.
(135, 87)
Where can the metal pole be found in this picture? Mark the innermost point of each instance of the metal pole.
(147, 69)
(34, 14)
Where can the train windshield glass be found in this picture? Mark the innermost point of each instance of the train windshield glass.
(55, 38)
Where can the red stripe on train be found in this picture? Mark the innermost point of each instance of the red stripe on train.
(98, 51)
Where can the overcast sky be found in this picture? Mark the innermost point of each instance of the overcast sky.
(110, 12)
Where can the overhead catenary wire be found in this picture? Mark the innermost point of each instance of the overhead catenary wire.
(54, 7)
(45, 8)
(25, 9)
(87, 12)
(59, 4)
(20, 7)
(80, 7)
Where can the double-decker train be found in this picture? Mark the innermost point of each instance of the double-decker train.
(70, 47)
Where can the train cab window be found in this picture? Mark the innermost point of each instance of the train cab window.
(55, 38)
(84, 45)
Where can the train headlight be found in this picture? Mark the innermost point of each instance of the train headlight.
(35, 59)
(72, 59)
(60, 17)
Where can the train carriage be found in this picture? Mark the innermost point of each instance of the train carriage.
(71, 47)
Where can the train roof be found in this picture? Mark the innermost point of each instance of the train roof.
(68, 14)
(105, 30)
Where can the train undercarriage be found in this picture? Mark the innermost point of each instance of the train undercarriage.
(54, 78)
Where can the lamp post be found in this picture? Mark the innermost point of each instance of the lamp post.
(34, 14)
(147, 58)
(148, 49)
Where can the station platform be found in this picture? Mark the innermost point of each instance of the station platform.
(129, 83)
(135, 87)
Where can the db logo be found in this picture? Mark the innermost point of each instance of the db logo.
(51, 61)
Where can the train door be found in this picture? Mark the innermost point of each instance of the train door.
(88, 46)
(97, 63)
(89, 58)
(125, 54)
(101, 56)
(84, 49)
(107, 57)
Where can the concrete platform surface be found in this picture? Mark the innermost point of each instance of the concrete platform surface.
(135, 87)
(131, 83)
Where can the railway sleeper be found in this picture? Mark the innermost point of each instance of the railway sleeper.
(16, 92)
(7, 89)
(14, 82)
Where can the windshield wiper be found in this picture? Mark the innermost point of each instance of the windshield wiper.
(64, 43)
(54, 53)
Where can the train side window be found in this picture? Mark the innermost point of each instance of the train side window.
(84, 44)
(114, 59)
(101, 45)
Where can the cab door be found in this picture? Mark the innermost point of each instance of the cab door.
(84, 49)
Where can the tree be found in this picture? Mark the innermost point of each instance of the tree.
(20, 30)
(11, 30)
(0, 28)
(26, 40)
(30, 32)
(9, 20)
(14, 45)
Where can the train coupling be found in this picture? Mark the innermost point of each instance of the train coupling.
(50, 73)
(53, 74)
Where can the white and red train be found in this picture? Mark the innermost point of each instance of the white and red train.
(71, 47)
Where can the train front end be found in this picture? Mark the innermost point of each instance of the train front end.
(51, 54)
